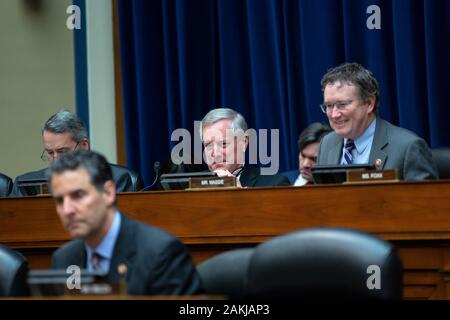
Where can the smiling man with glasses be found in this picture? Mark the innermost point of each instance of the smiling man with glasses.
(351, 98)
(65, 132)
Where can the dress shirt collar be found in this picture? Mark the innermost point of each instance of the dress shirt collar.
(365, 139)
(106, 246)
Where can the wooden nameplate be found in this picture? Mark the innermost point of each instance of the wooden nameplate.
(372, 176)
(212, 182)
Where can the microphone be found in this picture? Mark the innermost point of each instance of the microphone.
(156, 169)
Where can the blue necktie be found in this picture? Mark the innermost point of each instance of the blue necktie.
(349, 146)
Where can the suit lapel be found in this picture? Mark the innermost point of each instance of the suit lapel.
(124, 250)
(380, 140)
(78, 255)
(249, 176)
(336, 150)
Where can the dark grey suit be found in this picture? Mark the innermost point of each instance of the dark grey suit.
(125, 179)
(394, 146)
(157, 262)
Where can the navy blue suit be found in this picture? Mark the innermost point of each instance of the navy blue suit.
(157, 262)
(291, 175)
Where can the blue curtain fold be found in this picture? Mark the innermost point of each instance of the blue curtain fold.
(265, 58)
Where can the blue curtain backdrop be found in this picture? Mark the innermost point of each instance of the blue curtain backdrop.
(265, 58)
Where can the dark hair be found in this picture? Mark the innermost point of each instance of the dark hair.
(66, 121)
(95, 164)
(354, 74)
(312, 133)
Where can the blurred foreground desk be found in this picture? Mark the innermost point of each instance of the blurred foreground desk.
(414, 216)
(118, 297)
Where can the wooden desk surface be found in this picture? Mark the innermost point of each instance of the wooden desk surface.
(414, 215)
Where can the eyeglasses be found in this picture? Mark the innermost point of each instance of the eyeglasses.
(50, 155)
(340, 105)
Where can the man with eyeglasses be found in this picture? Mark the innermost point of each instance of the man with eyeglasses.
(360, 136)
(65, 132)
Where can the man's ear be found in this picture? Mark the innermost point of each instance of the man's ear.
(245, 143)
(109, 192)
(85, 144)
(371, 104)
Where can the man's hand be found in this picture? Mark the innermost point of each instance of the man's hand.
(223, 173)
(226, 173)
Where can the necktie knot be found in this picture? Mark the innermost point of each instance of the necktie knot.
(349, 146)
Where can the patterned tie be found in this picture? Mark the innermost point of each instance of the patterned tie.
(96, 258)
(349, 146)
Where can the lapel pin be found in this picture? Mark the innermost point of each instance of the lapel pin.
(122, 269)
(378, 162)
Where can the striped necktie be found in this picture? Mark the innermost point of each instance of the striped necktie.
(349, 146)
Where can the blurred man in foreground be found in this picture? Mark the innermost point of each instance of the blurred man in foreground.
(105, 240)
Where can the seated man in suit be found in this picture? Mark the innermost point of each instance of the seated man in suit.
(351, 97)
(223, 133)
(308, 146)
(63, 132)
(105, 240)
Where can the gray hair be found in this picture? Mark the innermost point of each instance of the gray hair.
(237, 120)
(66, 121)
(354, 74)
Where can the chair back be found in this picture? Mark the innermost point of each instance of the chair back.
(226, 273)
(126, 180)
(325, 263)
(5, 185)
(13, 273)
(441, 158)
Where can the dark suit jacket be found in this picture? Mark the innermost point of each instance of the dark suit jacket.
(251, 177)
(125, 179)
(157, 262)
(292, 175)
(394, 146)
